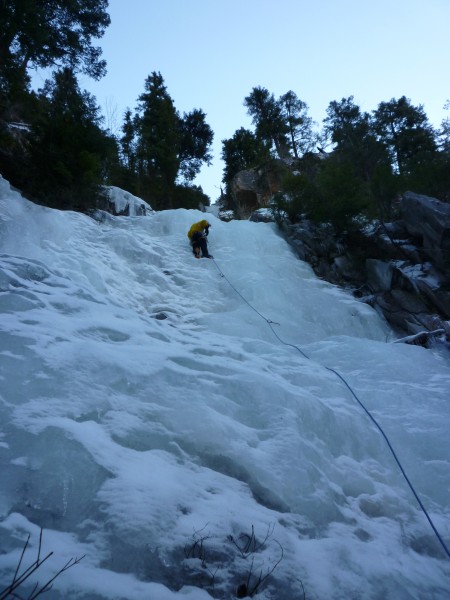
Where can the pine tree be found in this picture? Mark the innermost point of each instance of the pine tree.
(52, 33)
(345, 125)
(128, 142)
(196, 137)
(162, 149)
(362, 155)
(55, 34)
(347, 182)
(299, 124)
(68, 149)
(406, 132)
(158, 139)
(270, 125)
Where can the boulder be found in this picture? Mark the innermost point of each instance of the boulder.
(121, 203)
(262, 215)
(403, 310)
(379, 274)
(429, 220)
(253, 189)
(438, 297)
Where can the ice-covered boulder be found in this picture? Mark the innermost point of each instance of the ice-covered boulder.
(124, 203)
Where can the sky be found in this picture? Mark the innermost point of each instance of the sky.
(148, 413)
(212, 53)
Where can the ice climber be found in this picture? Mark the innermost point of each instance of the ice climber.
(197, 235)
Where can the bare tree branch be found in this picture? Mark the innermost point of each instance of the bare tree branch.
(20, 578)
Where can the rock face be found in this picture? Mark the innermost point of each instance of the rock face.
(429, 220)
(402, 268)
(253, 189)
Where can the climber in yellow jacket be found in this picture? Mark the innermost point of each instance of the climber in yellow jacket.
(197, 235)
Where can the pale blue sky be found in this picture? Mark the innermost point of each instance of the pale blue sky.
(211, 53)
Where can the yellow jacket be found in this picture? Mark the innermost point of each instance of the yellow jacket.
(200, 226)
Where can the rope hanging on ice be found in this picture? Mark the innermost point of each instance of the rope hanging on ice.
(347, 385)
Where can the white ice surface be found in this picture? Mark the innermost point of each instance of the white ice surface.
(145, 442)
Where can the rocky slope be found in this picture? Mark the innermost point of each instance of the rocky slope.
(400, 268)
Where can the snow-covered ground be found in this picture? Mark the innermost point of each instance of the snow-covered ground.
(174, 421)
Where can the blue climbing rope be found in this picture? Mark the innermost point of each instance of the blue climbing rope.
(368, 413)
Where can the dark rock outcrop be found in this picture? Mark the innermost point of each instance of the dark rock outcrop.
(402, 268)
(429, 220)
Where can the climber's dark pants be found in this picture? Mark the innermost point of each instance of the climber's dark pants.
(198, 240)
